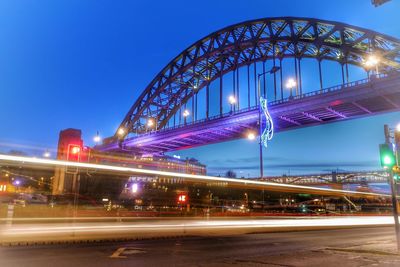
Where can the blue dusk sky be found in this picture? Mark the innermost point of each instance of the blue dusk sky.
(83, 63)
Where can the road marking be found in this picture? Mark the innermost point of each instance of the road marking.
(116, 254)
(121, 253)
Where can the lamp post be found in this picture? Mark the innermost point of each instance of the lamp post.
(271, 71)
(290, 84)
(232, 101)
(152, 123)
(186, 113)
(260, 122)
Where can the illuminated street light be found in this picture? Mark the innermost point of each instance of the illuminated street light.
(121, 131)
(290, 84)
(398, 127)
(251, 136)
(46, 154)
(232, 99)
(97, 138)
(372, 62)
(186, 113)
(150, 123)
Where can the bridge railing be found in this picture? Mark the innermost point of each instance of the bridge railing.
(344, 86)
(330, 89)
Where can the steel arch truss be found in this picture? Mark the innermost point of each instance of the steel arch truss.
(252, 41)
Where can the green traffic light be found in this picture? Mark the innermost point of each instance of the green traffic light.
(387, 160)
(386, 155)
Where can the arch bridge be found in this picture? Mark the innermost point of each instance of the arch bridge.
(210, 92)
(381, 177)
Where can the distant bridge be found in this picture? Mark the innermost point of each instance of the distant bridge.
(333, 178)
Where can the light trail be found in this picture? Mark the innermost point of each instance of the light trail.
(178, 225)
(193, 177)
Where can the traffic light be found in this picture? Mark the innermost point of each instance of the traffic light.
(74, 152)
(386, 156)
(396, 173)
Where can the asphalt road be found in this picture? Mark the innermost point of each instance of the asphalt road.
(344, 247)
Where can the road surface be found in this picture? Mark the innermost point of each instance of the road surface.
(344, 247)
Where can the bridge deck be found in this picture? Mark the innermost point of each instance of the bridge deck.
(353, 100)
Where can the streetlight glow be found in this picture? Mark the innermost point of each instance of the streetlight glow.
(150, 122)
(97, 138)
(291, 83)
(372, 61)
(121, 131)
(398, 127)
(186, 113)
(46, 154)
(251, 136)
(232, 99)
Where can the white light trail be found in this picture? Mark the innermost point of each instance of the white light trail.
(227, 224)
(204, 178)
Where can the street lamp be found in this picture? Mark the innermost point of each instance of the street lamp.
(46, 154)
(97, 138)
(186, 113)
(121, 131)
(290, 84)
(371, 62)
(232, 101)
(152, 123)
(251, 136)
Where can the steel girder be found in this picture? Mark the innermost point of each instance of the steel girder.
(252, 41)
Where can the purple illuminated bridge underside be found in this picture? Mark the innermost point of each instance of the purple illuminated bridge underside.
(366, 97)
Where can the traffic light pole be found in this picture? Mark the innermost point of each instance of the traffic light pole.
(393, 189)
(395, 209)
